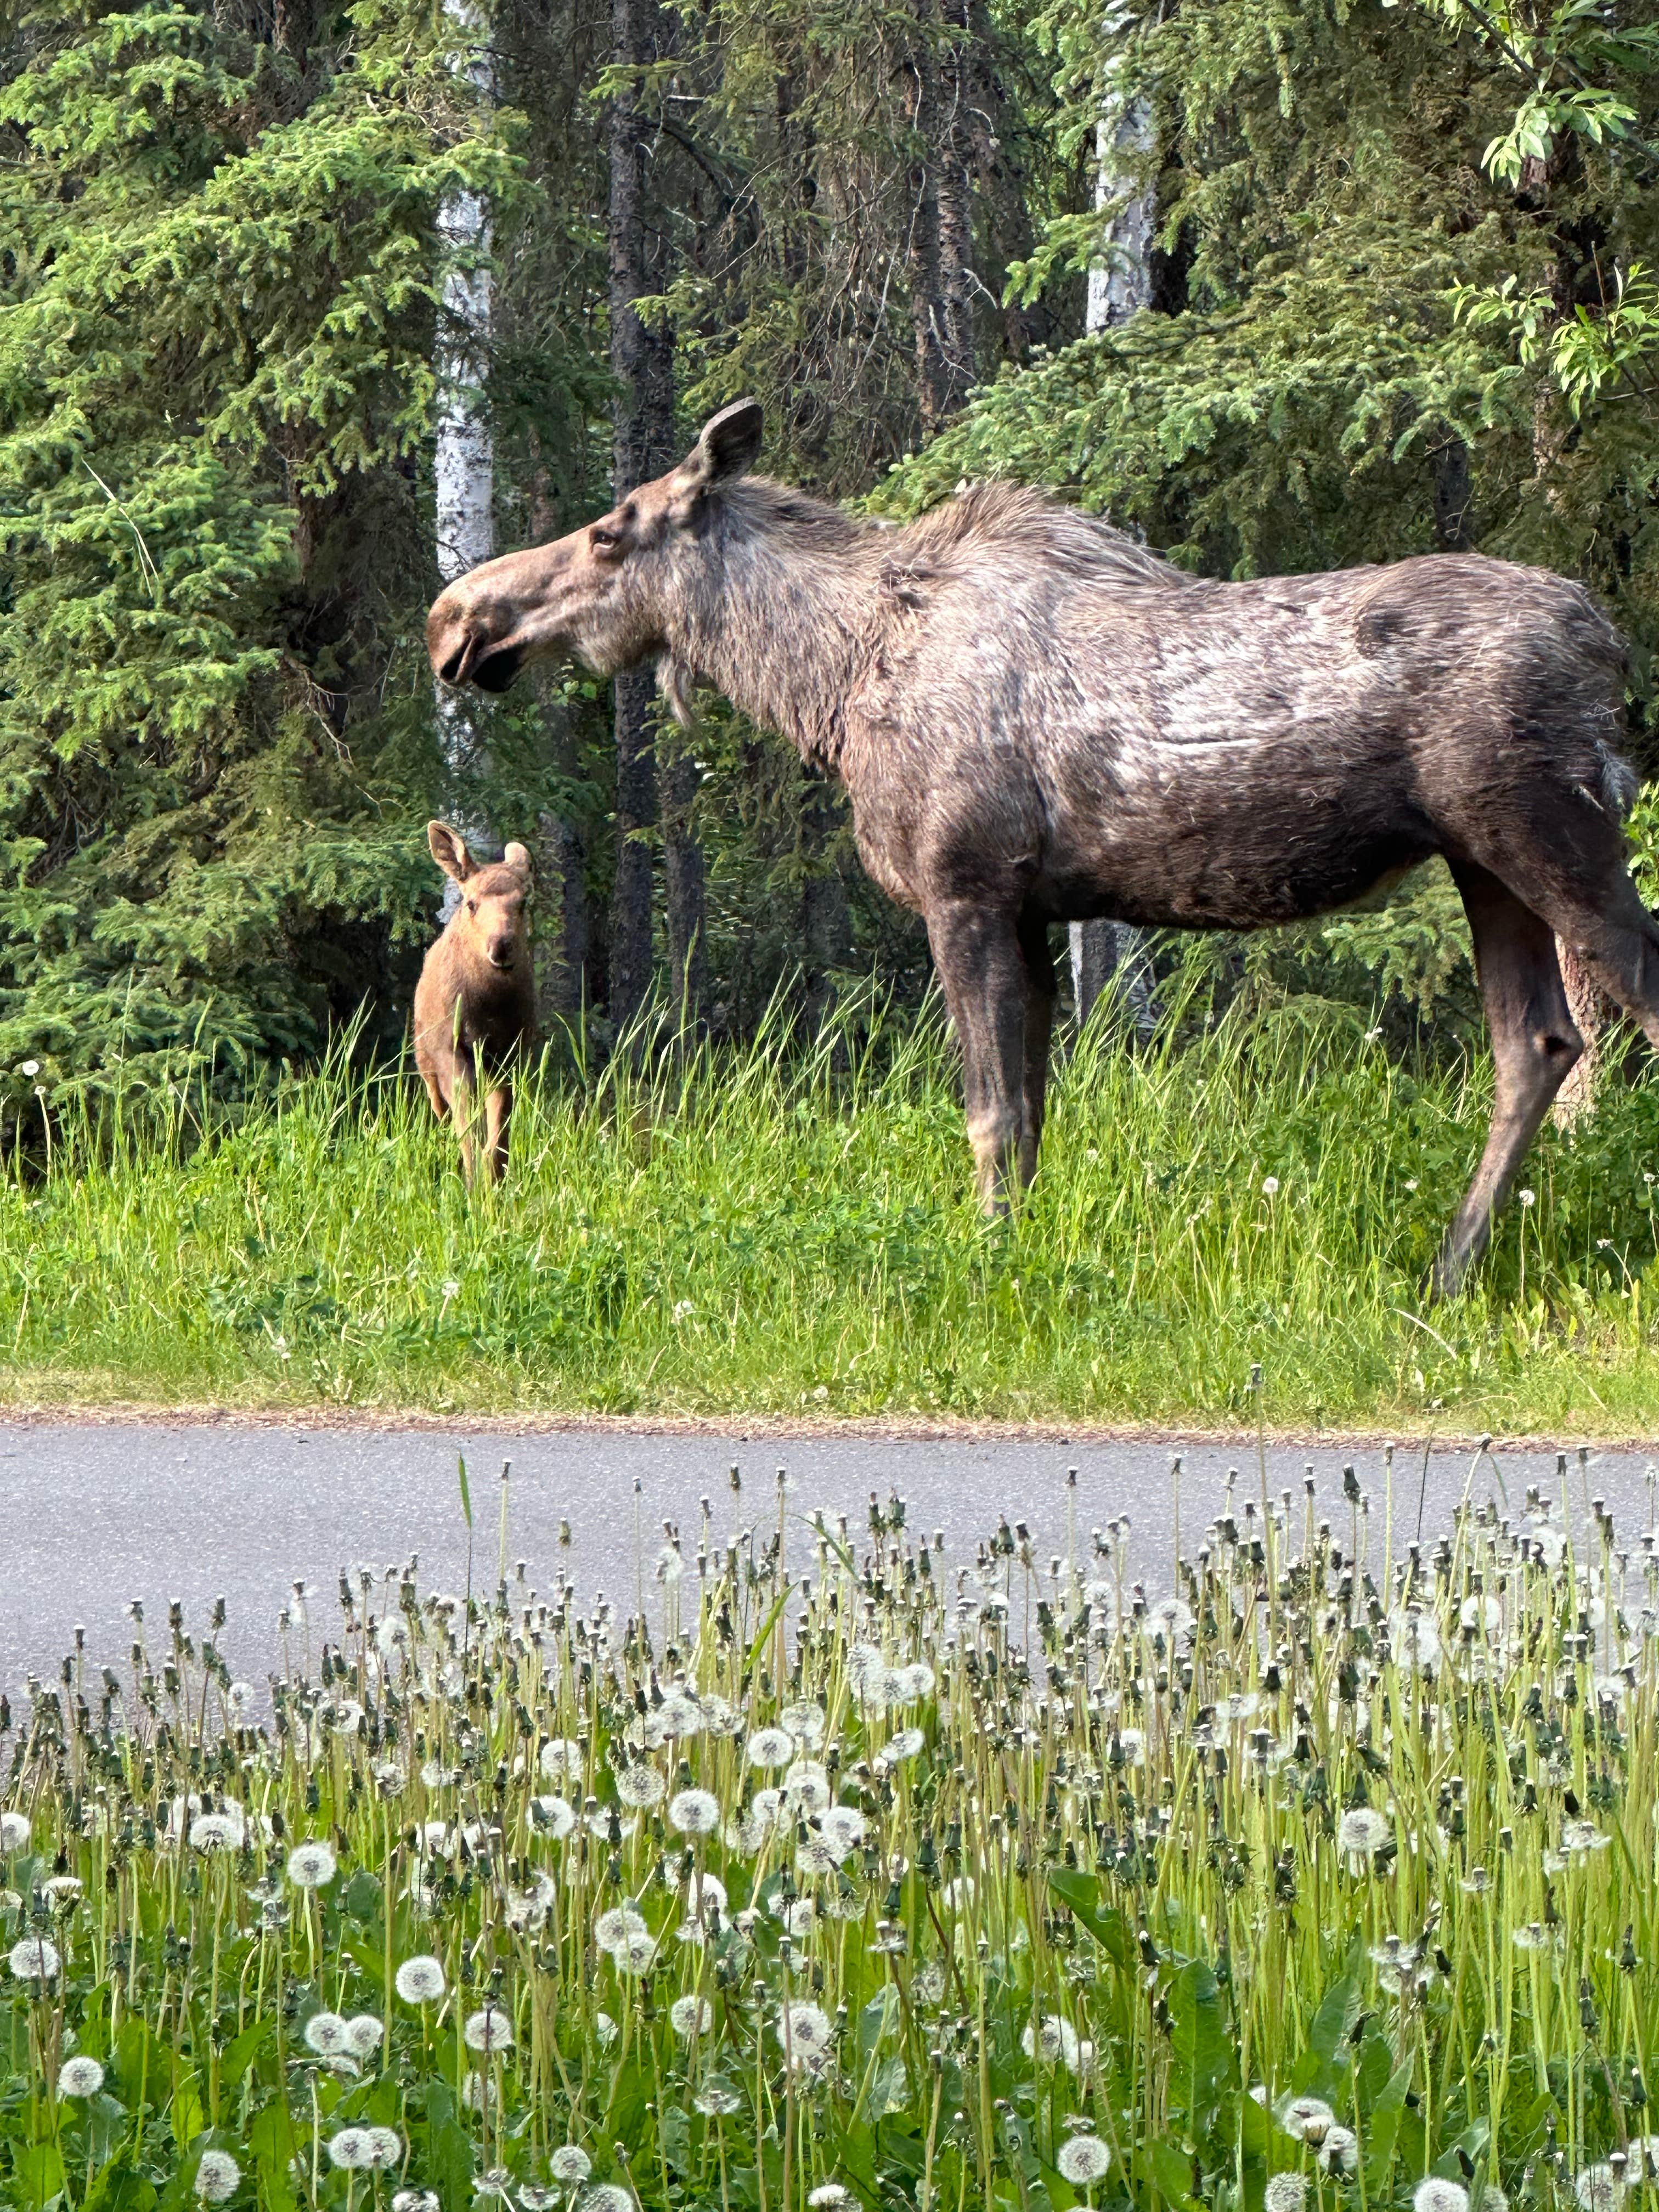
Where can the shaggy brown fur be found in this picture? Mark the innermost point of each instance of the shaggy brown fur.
(475, 1005)
(1037, 720)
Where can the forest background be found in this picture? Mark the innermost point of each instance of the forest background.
(1369, 279)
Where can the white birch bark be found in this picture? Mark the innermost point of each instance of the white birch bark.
(464, 465)
(1119, 287)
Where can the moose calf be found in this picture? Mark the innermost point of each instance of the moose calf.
(474, 1005)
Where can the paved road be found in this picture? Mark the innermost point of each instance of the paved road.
(94, 1516)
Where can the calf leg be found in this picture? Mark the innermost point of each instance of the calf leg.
(463, 1111)
(1534, 1046)
(498, 1109)
(983, 973)
(1042, 987)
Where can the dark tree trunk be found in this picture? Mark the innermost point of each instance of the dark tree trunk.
(642, 362)
(994, 128)
(940, 246)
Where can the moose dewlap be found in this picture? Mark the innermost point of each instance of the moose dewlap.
(474, 1005)
(1039, 721)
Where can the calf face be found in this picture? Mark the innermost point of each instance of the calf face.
(491, 926)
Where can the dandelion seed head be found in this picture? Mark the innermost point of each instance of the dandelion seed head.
(1362, 1832)
(694, 1811)
(364, 2035)
(218, 2177)
(804, 2027)
(1340, 2151)
(717, 2099)
(690, 2015)
(1434, 2193)
(325, 2034)
(1303, 2113)
(641, 1787)
(1084, 2160)
(351, 2148)
(34, 1959)
(1286, 2192)
(420, 1980)
(15, 1833)
(605, 2196)
(805, 1722)
(488, 2029)
(769, 1746)
(616, 1924)
(79, 2077)
(1598, 2188)
(312, 1865)
(571, 2165)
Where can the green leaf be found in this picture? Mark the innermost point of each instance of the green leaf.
(1201, 2048)
(1081, 1892)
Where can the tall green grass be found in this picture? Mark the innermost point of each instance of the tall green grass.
(787, 1232)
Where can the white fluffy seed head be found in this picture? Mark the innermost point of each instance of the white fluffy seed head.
(326, 2033)
(694, 1811)
(420, 1980)
(216, 2177)
(488, 2030)
(350, 2148)
(770, 1746)
(312, 1865)
(79, 2077)
(690, 2015)
(570, 2165)
(364, 2035)
(34, 1959)
(1286, 2192)
(14, 1831)
(1436, 2194)
(1084, 2160)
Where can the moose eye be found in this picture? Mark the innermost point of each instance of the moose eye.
(606, 541)
(472, 906)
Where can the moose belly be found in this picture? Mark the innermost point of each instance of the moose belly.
(1235, 842)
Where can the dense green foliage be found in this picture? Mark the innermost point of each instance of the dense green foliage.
(1402, 296)
(753, 1232)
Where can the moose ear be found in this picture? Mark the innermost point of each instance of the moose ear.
(449, 850)
(729, 447)
(517, 857)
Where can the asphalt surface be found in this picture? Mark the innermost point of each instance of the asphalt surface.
(94, 1516)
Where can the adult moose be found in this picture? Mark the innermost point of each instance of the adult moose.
(1037, 721)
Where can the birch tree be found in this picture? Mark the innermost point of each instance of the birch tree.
(1120, 285)
(463, 462)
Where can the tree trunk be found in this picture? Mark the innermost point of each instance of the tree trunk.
(940, 246)
(993, 127)
(1119, 288)
(463, 462)
(642, 362)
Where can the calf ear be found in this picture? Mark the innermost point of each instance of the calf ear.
(728, 448)
(449, 850)
(517, 857)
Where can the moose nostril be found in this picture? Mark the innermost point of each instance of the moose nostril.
(450, 671)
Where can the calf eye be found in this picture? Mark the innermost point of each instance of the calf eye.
(603, 540)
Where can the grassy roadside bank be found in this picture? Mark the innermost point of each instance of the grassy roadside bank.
(778, 1237)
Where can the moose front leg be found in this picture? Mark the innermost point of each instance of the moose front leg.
(1042, 989)
(984, 976)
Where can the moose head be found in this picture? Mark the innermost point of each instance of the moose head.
(604, 593)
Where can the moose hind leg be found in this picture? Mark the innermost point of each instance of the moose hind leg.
(983, 975)
(1534, 1047)
(1042, 987)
